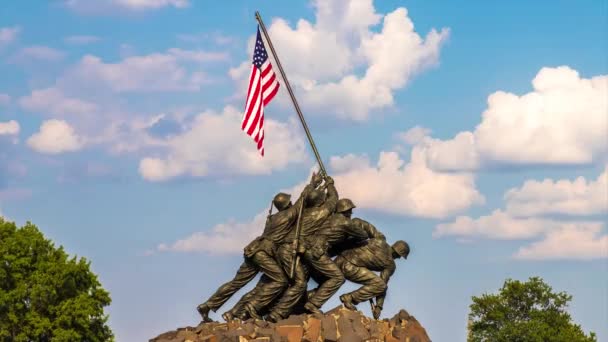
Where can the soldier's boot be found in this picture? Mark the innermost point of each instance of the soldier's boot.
(228, 316)
(310, 307)
(272, 317)
(203, 310)
(252, 312)
(347, 301)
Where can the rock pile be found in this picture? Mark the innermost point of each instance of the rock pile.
(337, 325)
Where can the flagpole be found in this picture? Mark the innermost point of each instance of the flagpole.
(293, 97)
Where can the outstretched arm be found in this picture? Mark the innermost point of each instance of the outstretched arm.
(332, 195)
(370, 230)
(315, 181)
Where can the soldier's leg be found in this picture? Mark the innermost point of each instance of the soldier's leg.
(294, 293)
(238, 310)
(244, 275)
(330, 273)
(373, 285)
(271, 285)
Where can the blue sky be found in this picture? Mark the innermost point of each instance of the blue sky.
(475, 131)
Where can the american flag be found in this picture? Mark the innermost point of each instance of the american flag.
(263, 86)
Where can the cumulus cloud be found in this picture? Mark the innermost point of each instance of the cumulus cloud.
(343, 34)
(582, 242)
(156, 72)
(111, 6)
(562, 121)
(54, 101)
(90, 92)
(8, 35)
(408, 189)
(55, 136)
(37, 53)
(498, 225)
(527, 218)
(212, 140)
(81, 39)
(578, 197)
(401, 188)
(554, 239)
(9, 128)
(224, 238)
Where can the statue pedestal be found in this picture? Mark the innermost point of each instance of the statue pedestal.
(339, 324)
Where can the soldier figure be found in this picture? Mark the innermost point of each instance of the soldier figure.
(259, 256)
(335, 231)
(319, 206)
(357, 265)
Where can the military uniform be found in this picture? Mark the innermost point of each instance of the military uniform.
(357, 265)
(310, 222)
(334, 231)
(259, 256)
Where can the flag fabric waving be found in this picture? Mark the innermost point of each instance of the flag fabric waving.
(263, 86)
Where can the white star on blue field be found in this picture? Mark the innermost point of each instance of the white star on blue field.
(475, 131)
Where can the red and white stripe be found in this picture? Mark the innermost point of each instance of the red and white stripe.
(263, 86)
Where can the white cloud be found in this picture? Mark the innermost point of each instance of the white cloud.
(562, 121)
(81, 39)
(111, 6)
(224, 238)
(9, 128)
(55, 136)
(555, 239)
(583, 242)
(230, 237)
(578, 197)
(342, 33)
(54, 101)
(410, 189)
(214, 145)
(457, 154)
(404, 189)
(498, 225)
(4, 99)
(8, 35)
(156, 72)
(37, 53)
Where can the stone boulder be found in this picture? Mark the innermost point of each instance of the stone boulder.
(337, 325)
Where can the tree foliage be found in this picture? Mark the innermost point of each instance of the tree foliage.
(44, 294)
(524, 311)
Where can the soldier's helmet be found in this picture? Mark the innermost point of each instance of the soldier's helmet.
(402, 248)
(281, 201)
(344, 204)
(315, 198)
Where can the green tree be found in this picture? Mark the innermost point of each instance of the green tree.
(524, 311)
(44, 294)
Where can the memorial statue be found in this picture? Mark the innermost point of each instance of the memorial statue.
(259, 256)
(300, 241)
(320, 224)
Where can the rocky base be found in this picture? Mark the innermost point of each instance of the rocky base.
(339, 324)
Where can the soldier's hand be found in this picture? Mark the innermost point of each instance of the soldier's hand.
(301, 248)
(316, 179)
(377, 311)
(329, 180)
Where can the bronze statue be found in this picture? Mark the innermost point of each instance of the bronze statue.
(335, 231)
(357, 265)
(259, 255)
(322, 227)
(319, 206)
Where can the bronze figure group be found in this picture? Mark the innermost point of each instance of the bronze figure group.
(315, 237)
